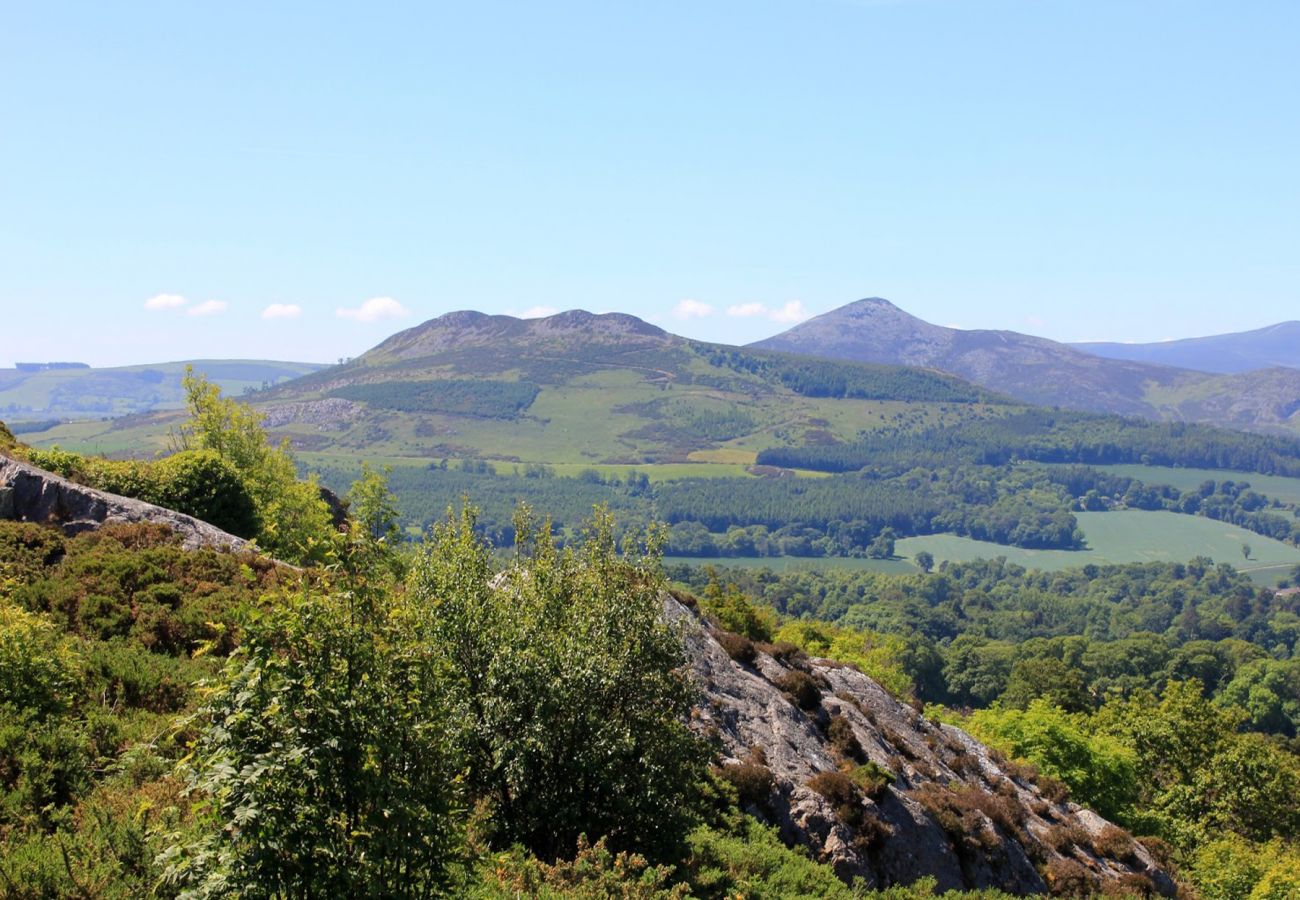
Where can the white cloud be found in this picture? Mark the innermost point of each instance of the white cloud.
(165, 301)
(208, 308)
(374, 309)
(538, 312)
(692, 309)
(794, 311)
(282, 311)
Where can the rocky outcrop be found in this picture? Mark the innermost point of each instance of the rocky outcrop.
(30, 494)
(880, 793)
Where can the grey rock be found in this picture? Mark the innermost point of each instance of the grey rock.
(30, 494)
(901, 838)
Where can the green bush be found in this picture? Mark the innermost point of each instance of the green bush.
(572, 683)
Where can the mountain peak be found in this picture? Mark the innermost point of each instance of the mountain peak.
(470, 328)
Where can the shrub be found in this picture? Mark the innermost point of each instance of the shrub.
(1068, 878)
(573, 682)
(785, 653)
(329, 754)
(800, 688)
(738, 647)
(29, 549)
(1064, 836)
(1130, 886)
(872, 779)
(752, 780)
(595, 873)
(198, 483)
(1115, 843)
(842, 739)
(842, 793)
(753, 862)
(201, 484)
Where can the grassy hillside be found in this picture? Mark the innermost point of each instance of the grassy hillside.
(96, 393)
(574, 390)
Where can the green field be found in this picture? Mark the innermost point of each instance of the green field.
(1130, 536)
(1127, 536)
(1285, 489)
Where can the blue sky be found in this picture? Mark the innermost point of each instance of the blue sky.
(1117, 170)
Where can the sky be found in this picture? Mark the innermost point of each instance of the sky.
(300, 180)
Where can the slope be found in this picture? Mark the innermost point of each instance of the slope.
(1047, 373)
(69, 393)
(1243, 351)
(580, 388)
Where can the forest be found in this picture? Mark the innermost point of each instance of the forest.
(1042, 435)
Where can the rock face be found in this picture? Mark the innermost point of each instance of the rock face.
(30, 494)
(880, 793)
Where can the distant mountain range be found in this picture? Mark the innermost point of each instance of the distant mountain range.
(611, 388)
(1047, 373)
(573, 389)
(1244, 351)
(48, 391)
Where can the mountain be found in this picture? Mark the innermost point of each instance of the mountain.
(580, 388)
(39, 392)
(1044, 372)
(1244, 351)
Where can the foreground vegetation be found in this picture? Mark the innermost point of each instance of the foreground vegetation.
(438, 720)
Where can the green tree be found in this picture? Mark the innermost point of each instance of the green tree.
(327, 757)
(1050, 679)
(570, 684)
(1099, 770)
(295, 522)
(924, 561)
(1268, 690)
(373, 506)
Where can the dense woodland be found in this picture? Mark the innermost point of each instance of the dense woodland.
(858, 514)
(1050, 436)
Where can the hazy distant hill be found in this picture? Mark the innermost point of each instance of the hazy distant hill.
(1276, 345)
(65, 392)
(1048, 373)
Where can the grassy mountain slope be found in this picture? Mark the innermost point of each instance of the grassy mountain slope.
(125, 390)
(573, 389)
(1048, 373)
(1243, 351)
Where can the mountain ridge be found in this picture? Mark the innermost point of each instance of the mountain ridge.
(1047, 373)
(1236, 352)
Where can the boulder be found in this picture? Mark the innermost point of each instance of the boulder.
(30, 494)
